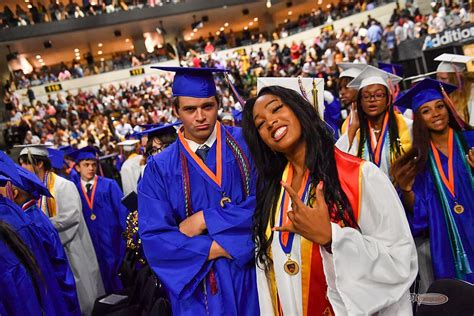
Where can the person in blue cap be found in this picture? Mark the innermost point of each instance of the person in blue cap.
(64, 211)
(104, 214)
(71, 173)
(26, 195)
(436, 182)
(14, 293)
(195, 206)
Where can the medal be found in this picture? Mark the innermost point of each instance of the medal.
(93, 217)
(291, 267)
(458, 209)
(224, 200)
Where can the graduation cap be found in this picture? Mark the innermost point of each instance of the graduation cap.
(350, 70)
(86, 153)
(394, 69)
(105, 157)
(159, 130)
(425, 91)
(129, 144)
(371, 75)
(31, 184)
(452, 62)
(193, 82)
(67, 149)
(56, 157)
(34, 149)
(418, 78)
(8, 170)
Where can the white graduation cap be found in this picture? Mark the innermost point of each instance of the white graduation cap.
(452, 62)
(351, 70)
(418, 78)
(34, 149)
(372, 75)
(303, 86)
(129, 144)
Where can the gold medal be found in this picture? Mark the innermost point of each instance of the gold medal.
(291, 267)
(458, 209)
(224, 200)
(93, 217)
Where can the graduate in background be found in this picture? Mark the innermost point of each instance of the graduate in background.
(377, 133)
(436, 181)
(325, 244)
(195, 206)
(48, 291)
(26, 195)
(347, 95)
(130, 170)
(105, 216)
(64, 210)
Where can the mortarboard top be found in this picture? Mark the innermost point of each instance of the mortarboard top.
(419, 78)
(129, 144)
(227, 116)
(108, 156)
(56, 157)
(425, 91)
(394, 69)
(159, 130)
(34, 149)
(193, 82)
(67, 149)
(8, 170)
(31, 183)
(350, 70)
(371, 75)
(86, 153)
(452, 62)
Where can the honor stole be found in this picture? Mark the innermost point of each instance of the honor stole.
(48, 204)
(314, 286)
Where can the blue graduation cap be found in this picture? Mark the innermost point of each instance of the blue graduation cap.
(56, 157)
(8, 170)
(86, 153)
(158, 130)
(395, 69)
(193, 82)
(31, 183)
(425, 91)
(67, 149)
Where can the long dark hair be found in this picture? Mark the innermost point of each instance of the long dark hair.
(421, 144)
(24, 255)
(395, 146)
(319, 160)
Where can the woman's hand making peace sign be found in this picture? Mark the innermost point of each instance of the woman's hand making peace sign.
(312, 223)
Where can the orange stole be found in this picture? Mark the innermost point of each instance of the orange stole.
(312, 274)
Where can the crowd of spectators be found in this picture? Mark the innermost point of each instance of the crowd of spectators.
(39, 12)
(83, 117)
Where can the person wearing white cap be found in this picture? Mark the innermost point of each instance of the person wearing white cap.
(377, 133)
(131, 168)
(64, 210)
(451, 70)
(348, 95)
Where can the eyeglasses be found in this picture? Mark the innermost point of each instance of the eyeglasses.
(155, 150)
(376, 97)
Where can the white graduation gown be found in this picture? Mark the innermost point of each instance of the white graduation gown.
(130, 173)
(72, 229)
(368, 272)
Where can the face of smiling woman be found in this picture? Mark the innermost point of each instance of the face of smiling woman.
(277, 124)
(435, 115)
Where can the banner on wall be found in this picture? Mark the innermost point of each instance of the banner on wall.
(458, 36)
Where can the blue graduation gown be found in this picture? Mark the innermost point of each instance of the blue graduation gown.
(180, 261)
(428, 216)
(52, 300)
(332, 115)
(106, 230)
(49, 238)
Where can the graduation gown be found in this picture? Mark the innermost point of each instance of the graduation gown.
(49, 238)
(368, 272)
(405, 134)
(76, 241)
(11, 291)
(130, 173)
(428, 216)
(180, 261)
(106, 229)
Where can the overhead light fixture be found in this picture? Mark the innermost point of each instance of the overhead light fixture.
(290, 12)
(102, 59)
(40, 60)
(76, 50)
(29, 6)
(100, 45)
(217, 33)
(78, 58)
(42, 64)
(246, 28)
(188, 38)
(195, 30)
(132, 47)
(192, 34)
(38, 56)
(269, 4)
(320, 1)
(255, 19)
(127, 40)
(222, 29)
(99, 52)
(251, 23)
(226, 24)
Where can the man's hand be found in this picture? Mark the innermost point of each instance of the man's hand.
(217, 251)
(194, 225)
